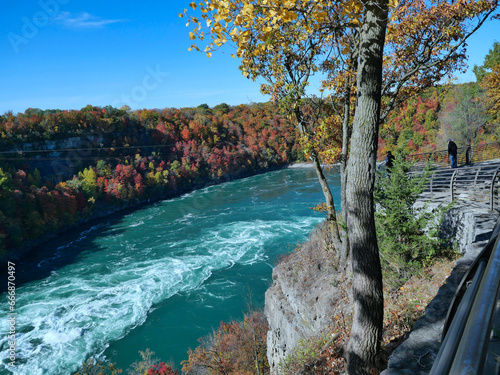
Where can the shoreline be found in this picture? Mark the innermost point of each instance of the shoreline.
(105, 211)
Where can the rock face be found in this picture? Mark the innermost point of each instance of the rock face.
(303, 298)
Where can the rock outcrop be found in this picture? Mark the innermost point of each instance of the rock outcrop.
(304, 296)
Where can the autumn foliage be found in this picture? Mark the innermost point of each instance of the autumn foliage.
(234, 348)
(422, 124)
(119, 158)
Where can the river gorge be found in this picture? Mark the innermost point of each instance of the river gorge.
(159, 277)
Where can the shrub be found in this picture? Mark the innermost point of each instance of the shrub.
(234, 348)
(308, 351)
(93, 366)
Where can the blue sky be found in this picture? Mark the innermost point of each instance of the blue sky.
(66, 54)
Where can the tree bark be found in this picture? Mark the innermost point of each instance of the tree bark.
(366, 333)
(346, 136)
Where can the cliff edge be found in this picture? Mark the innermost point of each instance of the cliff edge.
(305, 296)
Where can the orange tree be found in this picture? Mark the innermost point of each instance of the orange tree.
(287, 41)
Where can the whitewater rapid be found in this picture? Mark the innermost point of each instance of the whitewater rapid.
(102, 284)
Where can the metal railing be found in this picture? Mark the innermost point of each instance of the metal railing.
(465, 155)
(474, 314)
(470, 184)
(468, 329)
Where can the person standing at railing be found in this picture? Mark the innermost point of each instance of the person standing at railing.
(452, 152)
(389, 161)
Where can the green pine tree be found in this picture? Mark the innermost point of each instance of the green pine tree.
(407, 234)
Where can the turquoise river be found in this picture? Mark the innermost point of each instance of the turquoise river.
(159, 277)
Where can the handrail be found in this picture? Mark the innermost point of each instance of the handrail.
(479, 184)
(465, 155)
(475, 182)
(471, 352)
(452, 183)
(445, 357)
(492, 189)
(465, 344)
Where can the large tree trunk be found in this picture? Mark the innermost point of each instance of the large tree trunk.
(366, 332)
(346, 136)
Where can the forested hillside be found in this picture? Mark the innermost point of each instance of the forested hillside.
(426, 122)
(59, 167)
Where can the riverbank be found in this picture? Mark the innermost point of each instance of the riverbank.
(163, 276)
(104, 210)
(306, 299)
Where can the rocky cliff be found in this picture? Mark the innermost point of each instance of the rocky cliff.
(308, 293)
(305, 296)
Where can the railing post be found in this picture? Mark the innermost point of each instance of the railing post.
(492, 189)
(452, 182)
(475, 183)
(432, 179)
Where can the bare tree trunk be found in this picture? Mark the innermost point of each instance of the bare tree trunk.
(330, 205)
(366, 333)
(325, 187)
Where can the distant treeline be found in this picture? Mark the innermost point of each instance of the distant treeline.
(118, 158)
(59, 167)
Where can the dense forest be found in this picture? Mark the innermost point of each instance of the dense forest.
(58, 167)
(61, 167)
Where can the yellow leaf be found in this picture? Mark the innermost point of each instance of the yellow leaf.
(193, 5)
(181, 15)
(289, 16)
(209, 54)
(192, 36)
(321, 16)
